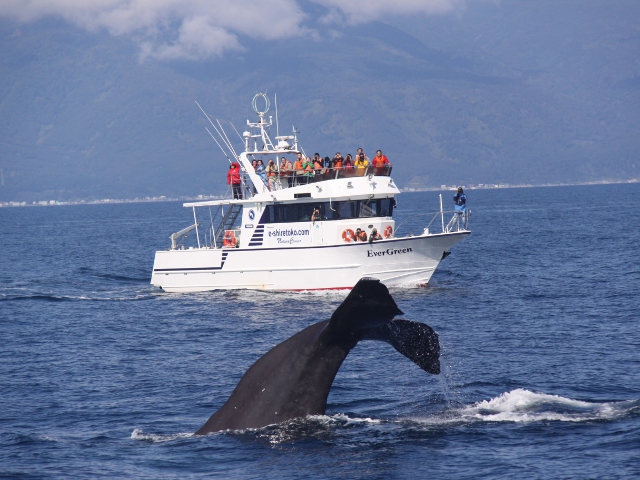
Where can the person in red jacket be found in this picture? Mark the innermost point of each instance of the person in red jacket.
(379, 163)
(234, 179)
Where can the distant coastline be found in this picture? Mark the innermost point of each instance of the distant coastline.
(163, 198)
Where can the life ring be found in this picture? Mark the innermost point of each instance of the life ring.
(348, 235)
(229, 239)
(388, 231)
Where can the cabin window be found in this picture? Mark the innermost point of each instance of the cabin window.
(329, 211)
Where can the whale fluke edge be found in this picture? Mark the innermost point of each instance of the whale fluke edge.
(293, 379)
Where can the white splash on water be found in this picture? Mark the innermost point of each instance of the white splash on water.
(523, 406)
(138, 434)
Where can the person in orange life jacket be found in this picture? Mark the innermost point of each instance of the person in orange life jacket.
(337, 159)
(298, 169)
(379, 162)
(272, 172)
(374, 235)
(286, 171)
(317, 165)
(361, 235)
(234, 179)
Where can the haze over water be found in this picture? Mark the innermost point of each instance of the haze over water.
(103, 375)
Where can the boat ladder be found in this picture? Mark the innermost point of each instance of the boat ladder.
(228, 221)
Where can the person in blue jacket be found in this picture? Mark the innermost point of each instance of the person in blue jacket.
(460, 199)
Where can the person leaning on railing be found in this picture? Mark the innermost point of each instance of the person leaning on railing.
(298, 169)
(272, 174)
(379, 163)
(361, 164)
(286, 172)
(307, 167)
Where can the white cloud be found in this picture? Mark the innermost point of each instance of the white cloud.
(169, 29)
(200, 29)
(362, 11)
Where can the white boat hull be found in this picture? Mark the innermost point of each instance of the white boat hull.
(409, 260)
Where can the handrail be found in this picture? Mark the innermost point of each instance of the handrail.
(459, 221)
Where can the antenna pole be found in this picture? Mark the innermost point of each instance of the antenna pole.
(226, 142)
(218, 143)
(275, 95)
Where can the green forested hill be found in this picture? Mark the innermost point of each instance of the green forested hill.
(499, 94)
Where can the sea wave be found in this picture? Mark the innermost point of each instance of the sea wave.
(73, 298)
(524, 406)
(138, 434)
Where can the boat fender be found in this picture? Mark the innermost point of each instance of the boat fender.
(388, 231)
(229, 239)
(348, 235)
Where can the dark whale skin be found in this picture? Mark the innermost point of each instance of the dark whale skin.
(293, 379)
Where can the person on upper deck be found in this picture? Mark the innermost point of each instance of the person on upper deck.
(286, 172)
(360, 152)
(379, 163)
(261, 170)
(308, 168)
(328, 164)
(317, 165)
(298, 169)
(272, 174)
(235, 180)
(361, 164)
(337, 159)
(348, 163)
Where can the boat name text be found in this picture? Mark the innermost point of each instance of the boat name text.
(388, 251)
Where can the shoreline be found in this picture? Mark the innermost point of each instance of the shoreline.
(163, 198)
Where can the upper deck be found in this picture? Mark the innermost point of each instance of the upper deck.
(282, 185)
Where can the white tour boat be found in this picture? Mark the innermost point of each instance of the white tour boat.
(299, 237)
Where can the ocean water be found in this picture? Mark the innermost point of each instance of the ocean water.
(102, 375)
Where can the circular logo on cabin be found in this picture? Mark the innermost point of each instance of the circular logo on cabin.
(252, 214)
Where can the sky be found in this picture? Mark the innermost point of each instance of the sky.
(202, 29)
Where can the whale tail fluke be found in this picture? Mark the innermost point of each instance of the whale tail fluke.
(416, 341)
(369, 305)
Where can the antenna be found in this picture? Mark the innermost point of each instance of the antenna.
(214, 139)
(275, 96)
(227, 138)
(238, 133)
(226, 142)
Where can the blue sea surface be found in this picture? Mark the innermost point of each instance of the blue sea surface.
(102, 375)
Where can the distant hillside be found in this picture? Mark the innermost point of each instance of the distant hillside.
(499, 94)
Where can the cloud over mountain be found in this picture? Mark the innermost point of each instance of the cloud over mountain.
(201, 29)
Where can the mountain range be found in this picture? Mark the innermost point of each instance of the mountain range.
(510, 92)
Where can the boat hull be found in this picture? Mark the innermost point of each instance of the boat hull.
(409, 260)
